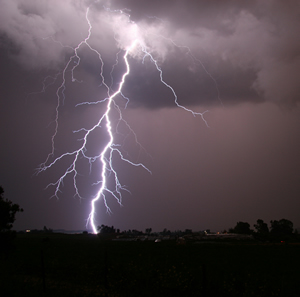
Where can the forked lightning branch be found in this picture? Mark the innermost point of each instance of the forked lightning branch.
(106, 155)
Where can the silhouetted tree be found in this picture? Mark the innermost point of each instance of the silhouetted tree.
(281, 230)
(8, 212)
(178, 233)
(136, 232)
(148, 231)
(241, 228)
(166, 232)
(188, 231)
(128, 232)
(46, 230)
(262, 230)
(103, 229)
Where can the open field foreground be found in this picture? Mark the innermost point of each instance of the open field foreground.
(84, 265)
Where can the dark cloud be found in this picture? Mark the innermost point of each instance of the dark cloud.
(235, 38)
(237, 59)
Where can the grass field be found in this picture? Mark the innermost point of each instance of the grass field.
(84, 265)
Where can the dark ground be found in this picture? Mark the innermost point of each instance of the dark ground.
(84, 265)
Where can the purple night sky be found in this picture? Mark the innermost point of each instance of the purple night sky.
(244, 70)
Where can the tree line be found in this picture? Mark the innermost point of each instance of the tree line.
(103, 229)
(280, 230)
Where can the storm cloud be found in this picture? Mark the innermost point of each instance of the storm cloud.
(251, 50)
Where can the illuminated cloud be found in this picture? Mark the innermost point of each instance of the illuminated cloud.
(250, 47)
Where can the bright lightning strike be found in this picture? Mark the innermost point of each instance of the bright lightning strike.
(105, 156)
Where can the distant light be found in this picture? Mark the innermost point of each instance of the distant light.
(27, 231)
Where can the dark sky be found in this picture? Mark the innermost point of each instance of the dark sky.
(237, 60)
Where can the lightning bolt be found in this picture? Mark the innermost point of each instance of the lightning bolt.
(111, 148)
